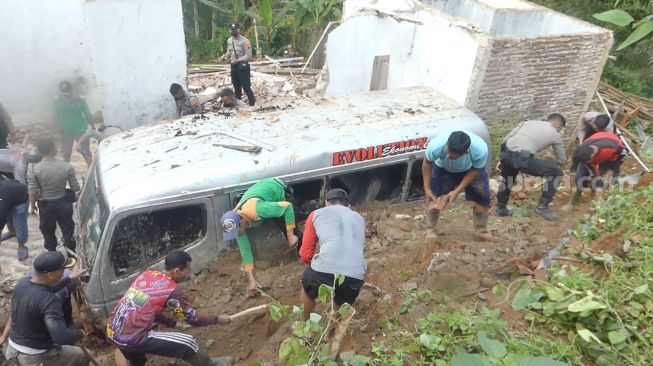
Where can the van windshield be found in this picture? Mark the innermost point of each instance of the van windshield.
(93, 214)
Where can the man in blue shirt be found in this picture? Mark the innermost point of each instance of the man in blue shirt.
(455, 162)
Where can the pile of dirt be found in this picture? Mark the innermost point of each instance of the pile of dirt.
(399, 260)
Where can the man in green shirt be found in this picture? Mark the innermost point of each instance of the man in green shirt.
(73, 117)
(264, 200)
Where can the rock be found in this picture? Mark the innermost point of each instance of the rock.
(437, 297)
(387, 298)
(540, 240)
(410, 286)
(365, 298)
(418, 218)
(402, 217)
(363, 328)
(210, 342)
(488, 282)
(261, 264)
(468, 258)
(406, 226)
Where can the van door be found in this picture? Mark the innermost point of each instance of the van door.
(141, 238)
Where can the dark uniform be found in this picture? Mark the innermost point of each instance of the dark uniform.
(239, 49)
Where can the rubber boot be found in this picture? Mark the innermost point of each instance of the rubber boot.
(543, 210)
(502, 210)
(431, 223)
(573, 201)
(202, 359)
(481, 232)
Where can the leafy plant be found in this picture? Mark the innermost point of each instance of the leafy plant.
(610, 318)
(641, 28)
(306, 345)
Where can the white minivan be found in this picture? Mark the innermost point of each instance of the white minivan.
(164, 186)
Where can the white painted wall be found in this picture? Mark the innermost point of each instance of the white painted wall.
(42, 43)
(434, 54)
(122, 53)
(138, 50)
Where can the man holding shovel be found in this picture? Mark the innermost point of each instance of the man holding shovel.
(456, 162)
(156, 298)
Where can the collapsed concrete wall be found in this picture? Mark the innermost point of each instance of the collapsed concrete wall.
(121, 55)
(505, 60)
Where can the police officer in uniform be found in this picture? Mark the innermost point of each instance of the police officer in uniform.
(239, 52)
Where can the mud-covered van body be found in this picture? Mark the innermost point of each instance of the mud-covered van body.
(164, 186)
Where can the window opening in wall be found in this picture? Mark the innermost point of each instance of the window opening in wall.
(306, 197)
(144, 238)
(384, 183)
(380, 71)
(416, 184)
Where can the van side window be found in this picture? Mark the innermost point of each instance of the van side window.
(144, 238)
(383, 183)
(306, 197)
(416, 184)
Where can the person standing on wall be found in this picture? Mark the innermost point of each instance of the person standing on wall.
(46, 182)
(239, 52)
(72, 115)
(6, 127)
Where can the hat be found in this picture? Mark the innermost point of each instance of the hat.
(336, 193)
(52, 261)
(230, 223)
(233, 25)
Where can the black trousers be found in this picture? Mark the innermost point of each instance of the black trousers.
(240, 78)
(512, 163)
(53, 213)
(166, 344)
(4, 133)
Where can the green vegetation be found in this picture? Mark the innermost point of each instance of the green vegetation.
(631, 70)
(608, 317)
(284, 27)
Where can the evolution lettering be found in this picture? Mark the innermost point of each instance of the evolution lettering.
(379, 151)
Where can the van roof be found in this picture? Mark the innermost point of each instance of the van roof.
(189, 155)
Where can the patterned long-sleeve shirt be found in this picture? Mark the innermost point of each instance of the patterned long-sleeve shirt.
(153, 297)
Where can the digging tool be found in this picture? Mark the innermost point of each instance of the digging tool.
(253, 310)
(631, 179)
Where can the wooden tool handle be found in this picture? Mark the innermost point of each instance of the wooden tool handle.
(255, 309)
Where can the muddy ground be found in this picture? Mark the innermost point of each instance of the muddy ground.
(454, 269)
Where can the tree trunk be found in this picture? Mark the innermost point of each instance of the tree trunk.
(196, 18)
(214, 19)
(248, 20)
